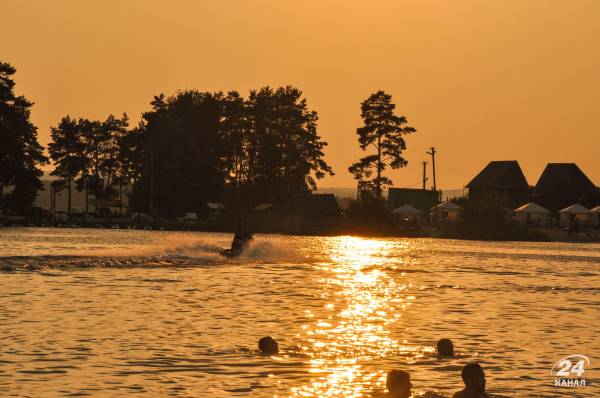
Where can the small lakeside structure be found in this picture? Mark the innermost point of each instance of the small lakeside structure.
(406, 214)
(533, 214)
(304, 213)
(576, 215)
(561, 177)
(212, 211)
(262, 207)
(562, 184)
(421, 199)
(218, 206)
(312, 213)
(265, 217)
(500, 177)
(447, 212)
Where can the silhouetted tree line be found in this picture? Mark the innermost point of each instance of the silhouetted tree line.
(191, 148)
(92, 155)
(21, 155)
(195, 147)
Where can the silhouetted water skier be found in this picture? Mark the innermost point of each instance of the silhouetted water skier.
(268, 346)
(241, 238)
(241, 233)
(474, 379)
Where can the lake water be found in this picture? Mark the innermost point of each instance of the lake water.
(86, 312)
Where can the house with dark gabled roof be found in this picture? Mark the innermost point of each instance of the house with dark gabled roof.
(563, 184)
(312, 213)
(500, 177)
(563, 176)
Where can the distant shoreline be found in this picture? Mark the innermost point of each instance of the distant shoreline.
(542, 234)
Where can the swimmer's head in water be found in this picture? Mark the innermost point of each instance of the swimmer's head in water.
(474, 377)
(398, 383)
(445, 348)
(268, 345)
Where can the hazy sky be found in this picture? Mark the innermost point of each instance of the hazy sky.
(480, 80)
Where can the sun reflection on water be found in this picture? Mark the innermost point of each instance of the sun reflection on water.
(363, 300)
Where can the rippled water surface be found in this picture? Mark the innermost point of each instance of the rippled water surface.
(88, 312)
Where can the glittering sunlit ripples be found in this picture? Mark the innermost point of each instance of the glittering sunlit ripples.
(155, 314)
(362, 299)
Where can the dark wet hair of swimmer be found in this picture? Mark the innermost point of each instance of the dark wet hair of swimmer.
(445, 348)
(474, 378)
(268, 345)
(398, 383)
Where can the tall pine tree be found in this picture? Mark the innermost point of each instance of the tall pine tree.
(68, 153)
(384, 132)
(21, 155)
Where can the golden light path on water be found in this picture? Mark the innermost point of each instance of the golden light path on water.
(364, 300)
(106, 314)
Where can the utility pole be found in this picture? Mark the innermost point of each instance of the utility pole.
(437, 198)
(432, 153)
(424, 174)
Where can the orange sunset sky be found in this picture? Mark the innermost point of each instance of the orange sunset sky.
(481, 80)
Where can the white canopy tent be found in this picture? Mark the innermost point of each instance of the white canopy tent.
(447, 212)
(533, 214)
(575, 215)
(407, 213)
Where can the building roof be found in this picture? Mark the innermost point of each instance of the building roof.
(532, 208)
(215, 205)
(575, 209)
(315, 205)
(422, 199)
(406, 209)
(500, 174)
(563, 176)
(263, 206)
(448, 206)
